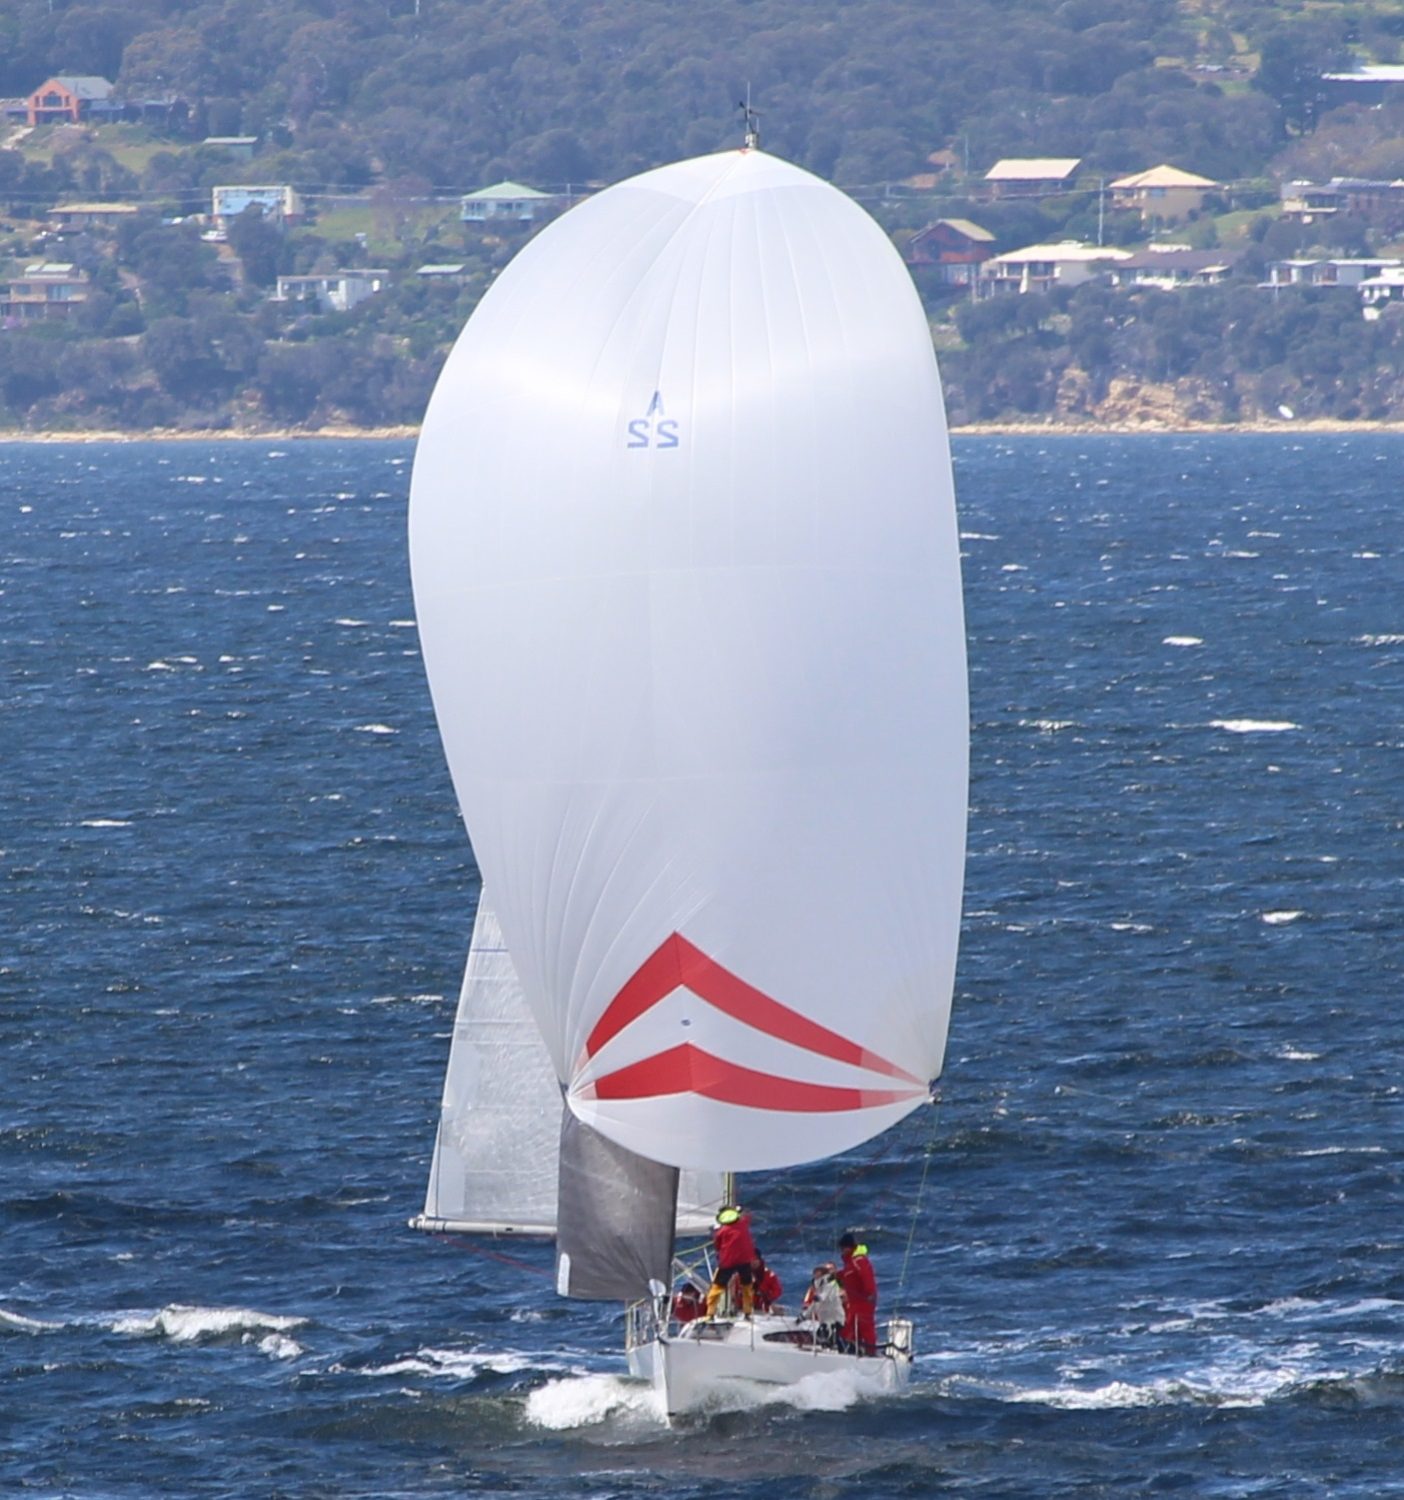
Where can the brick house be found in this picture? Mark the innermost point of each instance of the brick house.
(70, 98)
(953, 249)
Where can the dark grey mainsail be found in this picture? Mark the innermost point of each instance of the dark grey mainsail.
(614, 1218)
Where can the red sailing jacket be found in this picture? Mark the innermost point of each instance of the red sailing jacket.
(858, 1282)
(735, 1247)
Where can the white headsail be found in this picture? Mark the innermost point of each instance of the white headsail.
(495, 1166)
(686, 573)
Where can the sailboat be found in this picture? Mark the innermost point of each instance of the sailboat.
(686, 571)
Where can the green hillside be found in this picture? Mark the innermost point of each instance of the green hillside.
(382, 114)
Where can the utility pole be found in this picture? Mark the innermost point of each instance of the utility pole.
(1101, 201)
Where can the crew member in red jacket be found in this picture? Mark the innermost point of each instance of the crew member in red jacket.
(736, 1256)
(768, 1288)
(859, 1285)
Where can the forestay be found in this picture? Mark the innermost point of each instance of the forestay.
(686, 573)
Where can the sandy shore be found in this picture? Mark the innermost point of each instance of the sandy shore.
(974, 429)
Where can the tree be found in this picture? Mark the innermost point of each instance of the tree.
(260, 246)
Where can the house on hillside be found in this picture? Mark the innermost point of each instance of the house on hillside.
(1039, 268)
(1031, 176)
(1387, 286)
(954, 249)
(49, 289)
(1165, 193)
(70, 98)
(1335, 271)
(1309, 201)
(1371, 83)
(278, 202)
(1173, 266)
(1378, 203)
(69, 218)
(240, 147)
(505, 202)
(332, 291)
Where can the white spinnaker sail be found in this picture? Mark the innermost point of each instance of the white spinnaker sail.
(494, 1165)
(685, 566)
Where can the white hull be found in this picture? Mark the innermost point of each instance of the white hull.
(694, 1365)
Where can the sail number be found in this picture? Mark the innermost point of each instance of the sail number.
(660, 434)
(653, 429)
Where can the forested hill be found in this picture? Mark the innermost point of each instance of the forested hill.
(463, 92)
(381, 113)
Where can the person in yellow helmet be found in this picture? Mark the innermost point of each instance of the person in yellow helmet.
(736, 1256)
(859, 1284)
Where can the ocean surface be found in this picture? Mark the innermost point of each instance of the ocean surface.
(1159, 1248)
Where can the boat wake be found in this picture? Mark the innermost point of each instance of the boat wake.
(586, 1400)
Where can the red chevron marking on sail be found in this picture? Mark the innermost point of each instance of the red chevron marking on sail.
(687, 1069)
(677, 963)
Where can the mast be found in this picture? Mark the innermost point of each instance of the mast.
(751, 140)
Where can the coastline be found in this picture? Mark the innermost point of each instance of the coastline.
(1283, 426)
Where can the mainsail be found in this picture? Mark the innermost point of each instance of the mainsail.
(686, 572)
(495, 1168)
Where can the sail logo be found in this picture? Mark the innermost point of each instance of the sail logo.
(655, 429)
(678, 964)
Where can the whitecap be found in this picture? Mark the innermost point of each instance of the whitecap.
(1379, 640)
(455, 1364)
(1253, 726)
(351, 622)
(158, 666)
(1013, 568)
(105, 823)
(1295, 1054)
(375, 729)
(1183, 640)
(188, 1325)
(1281, 918)
(18, 1323)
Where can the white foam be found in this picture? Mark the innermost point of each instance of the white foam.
(276, 1345)
(189, 1325)
(1380, 640)
(105, 823)
(453, 1364)
(20, 1324)
(357, 623)
(587, 1400)
(1281, 918)
(1253, 726)
(1183, 640)
(375, 729)
(1295, 1054)
(834, 1390)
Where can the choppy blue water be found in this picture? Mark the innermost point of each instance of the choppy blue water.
(1160, 1244)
